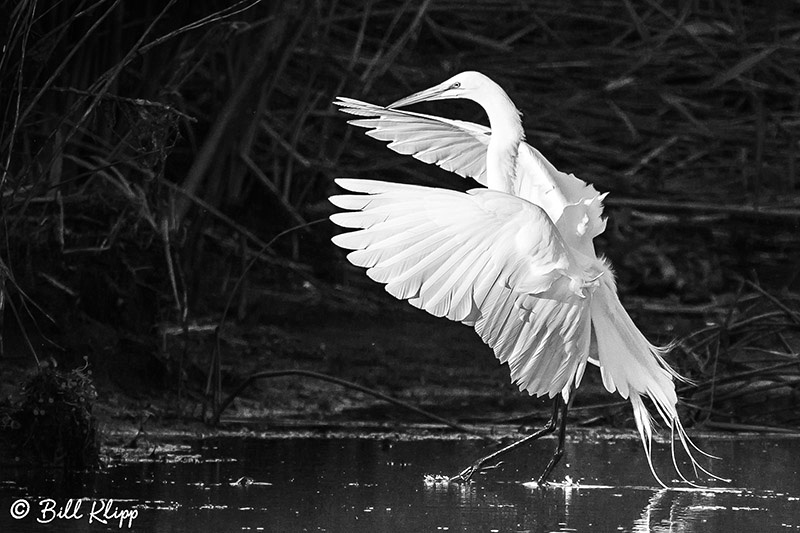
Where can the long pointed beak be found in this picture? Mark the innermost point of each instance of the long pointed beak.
(434, 93)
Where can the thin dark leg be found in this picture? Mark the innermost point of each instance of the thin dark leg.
(478, 466)
(562, 432)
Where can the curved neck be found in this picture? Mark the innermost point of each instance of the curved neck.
(507, 134)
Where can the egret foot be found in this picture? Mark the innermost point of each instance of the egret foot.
(476, 468)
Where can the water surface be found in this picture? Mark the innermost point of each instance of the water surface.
(385, 485)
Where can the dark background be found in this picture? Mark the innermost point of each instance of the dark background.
(166, 168)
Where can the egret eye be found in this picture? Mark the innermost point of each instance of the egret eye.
(456, 85)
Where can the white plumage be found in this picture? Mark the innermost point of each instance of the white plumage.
(484, 258)
(515, 260)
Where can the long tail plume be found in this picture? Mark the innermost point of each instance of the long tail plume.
(634, 367)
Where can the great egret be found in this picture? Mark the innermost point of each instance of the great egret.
(515, 260)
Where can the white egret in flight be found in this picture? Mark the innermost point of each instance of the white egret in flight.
(514, 260)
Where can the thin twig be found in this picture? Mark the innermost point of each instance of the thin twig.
(705, 208)
(780, 305)
(341, 382)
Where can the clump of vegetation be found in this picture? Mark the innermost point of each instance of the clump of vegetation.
(53, 423)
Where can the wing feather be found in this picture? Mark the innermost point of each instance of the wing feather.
(458, 272)
(454, 145)
(575, 206)
(491, 260)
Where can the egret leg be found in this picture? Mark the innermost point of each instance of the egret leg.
(562, 433)
(479, 465)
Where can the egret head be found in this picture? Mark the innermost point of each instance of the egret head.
(469, 85)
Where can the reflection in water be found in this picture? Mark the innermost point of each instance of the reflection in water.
(677, 512)
(563, 507)
(697, 510)
(356, 485)
(645, 523)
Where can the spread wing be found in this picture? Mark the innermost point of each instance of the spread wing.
(574, 205)
(453, 145)
(457, 146)
(485, 258)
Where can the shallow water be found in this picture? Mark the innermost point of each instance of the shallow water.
(384, 485)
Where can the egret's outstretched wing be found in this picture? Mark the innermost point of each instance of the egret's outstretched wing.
(460, 147)
(488, 259)
(574, 205)
(454, 145)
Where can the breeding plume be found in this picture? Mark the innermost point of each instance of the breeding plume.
(515, 259)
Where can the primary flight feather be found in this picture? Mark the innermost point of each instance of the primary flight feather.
(514, 260)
